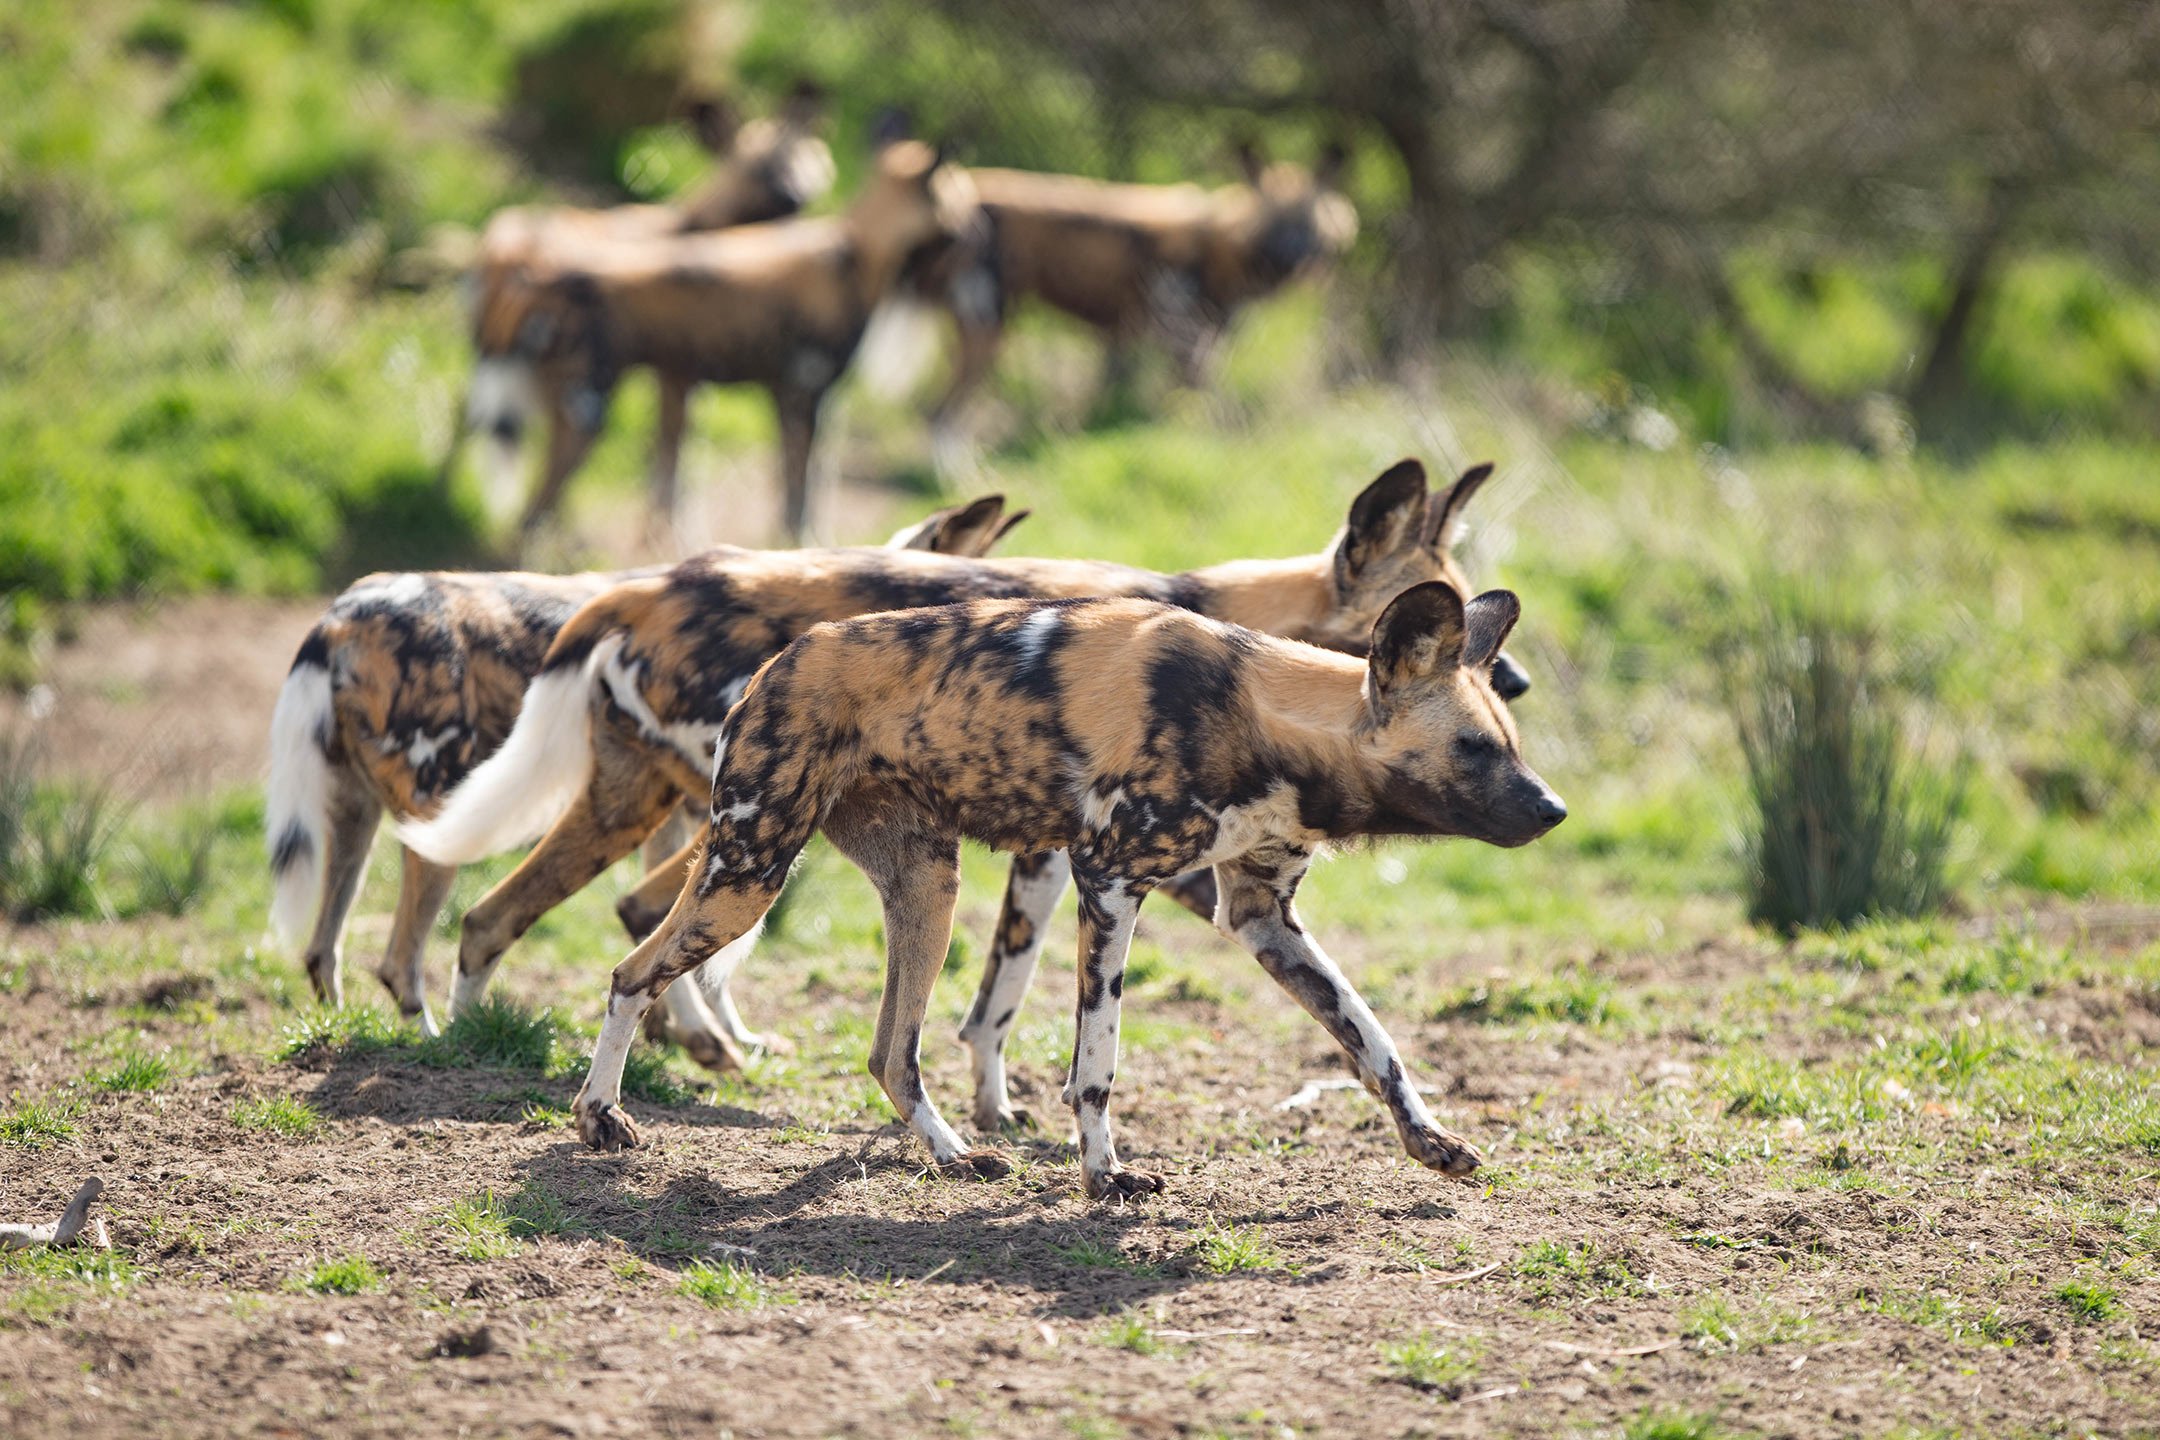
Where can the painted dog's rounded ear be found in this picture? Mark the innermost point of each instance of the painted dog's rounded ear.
(804, 108)
(1486, 623)
(713, 121)
(1005, 529)
(1443, 525)
(1384, 515)
(1418, 636)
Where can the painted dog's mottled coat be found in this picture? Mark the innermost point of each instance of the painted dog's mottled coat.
(781, 305)
(649, 671)
(1175, 261)
(404, 685)
(1142, 740)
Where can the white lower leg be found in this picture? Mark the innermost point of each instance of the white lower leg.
(712, 980)
(990, 1022)
(931, 1129)
(468, 990)
(687, 1011)
(603, 1082)
(1095, 1041)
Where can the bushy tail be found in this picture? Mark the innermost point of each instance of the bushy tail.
(524, 787)
(296, 819)
(899, 347)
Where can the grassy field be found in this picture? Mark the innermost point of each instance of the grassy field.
(1893, 1180)
(1898, 1180)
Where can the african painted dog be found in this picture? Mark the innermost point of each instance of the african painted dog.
(1144, 741)
(1173, 260)
(782, 305)
(770, 169)
(397, 693)
(621, 720)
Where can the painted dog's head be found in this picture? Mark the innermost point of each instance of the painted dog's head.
(1291, 219)
(1438, 730)
(1398, 536)
(913, 200)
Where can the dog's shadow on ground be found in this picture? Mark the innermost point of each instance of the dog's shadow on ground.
(394, 1084)
(1077, 1259)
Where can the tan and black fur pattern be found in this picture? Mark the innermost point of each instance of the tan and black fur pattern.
(1176, 262)
(1142, 740)
(781, 305)
(665, 657)
(406, 683)
(769, 170)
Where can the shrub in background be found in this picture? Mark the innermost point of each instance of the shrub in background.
(1847, 822)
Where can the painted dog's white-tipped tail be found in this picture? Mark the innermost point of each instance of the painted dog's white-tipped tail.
(898, 349)
(524, 787)
(296, 816)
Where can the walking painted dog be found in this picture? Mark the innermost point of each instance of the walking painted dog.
(621, 720)
(781, 305)
(1142, 740)
(406, 684)
(770, 169)
(1175, 261)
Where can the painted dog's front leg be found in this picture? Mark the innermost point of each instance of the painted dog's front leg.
(1256, 911)
(1108, 909)
(725, 921)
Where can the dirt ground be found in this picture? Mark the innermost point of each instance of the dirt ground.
(1565, 1292)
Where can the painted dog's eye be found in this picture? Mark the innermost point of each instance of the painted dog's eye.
(1476, 743)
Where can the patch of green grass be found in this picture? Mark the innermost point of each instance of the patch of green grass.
(1094, 1254)
(1235, 1249)
(171, 866)
(2089, 1301)
(480, 1228)
(344, 1275)
(1673, 1425)
(1959, 1318)
(73, 1264)
(1572, 996)
(1426, 1362)
(646, 1077)
(547, 1116)
(1556, 1268)
(728, 1286)
(797, 1133)
(496, 1034)
(345, 1030)
(278, 1115)
(139, 1071)
(536, 1208)
(1717, 1326)
(35, 1124)
(1130, 1331)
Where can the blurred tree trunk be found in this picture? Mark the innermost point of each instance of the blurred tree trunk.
(1945, 380)
(1431, 249)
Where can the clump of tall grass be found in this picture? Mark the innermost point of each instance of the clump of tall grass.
(1848, 822)
(53, 840)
